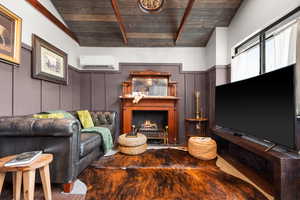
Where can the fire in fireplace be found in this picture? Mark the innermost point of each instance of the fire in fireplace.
(153, 124)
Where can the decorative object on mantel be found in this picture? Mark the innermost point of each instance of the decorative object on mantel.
(203, 148)
(137, 97)
(49, 62)
(151, 6)
(10, 36)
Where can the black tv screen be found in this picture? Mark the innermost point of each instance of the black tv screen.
(262, 106)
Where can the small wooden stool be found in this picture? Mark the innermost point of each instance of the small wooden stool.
(28, 173)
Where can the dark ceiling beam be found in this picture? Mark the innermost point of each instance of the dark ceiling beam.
(184, 19)
(116, 9)
(44, 11)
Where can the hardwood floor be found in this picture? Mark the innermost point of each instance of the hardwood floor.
(228, 168)
(163, 174)
(39, 194)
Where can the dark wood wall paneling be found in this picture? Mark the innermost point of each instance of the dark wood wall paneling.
(211, 93)
(216, 75)
(20, 94)
(101, 90)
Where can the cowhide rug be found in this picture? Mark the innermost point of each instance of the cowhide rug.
(167, 174)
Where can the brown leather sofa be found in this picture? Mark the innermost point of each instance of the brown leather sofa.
(73, 151)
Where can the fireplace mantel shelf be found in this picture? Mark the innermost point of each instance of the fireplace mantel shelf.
(153, 97)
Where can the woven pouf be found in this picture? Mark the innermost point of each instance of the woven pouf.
(203, 148)
(132, 141)
(133, 150)
(132, 145)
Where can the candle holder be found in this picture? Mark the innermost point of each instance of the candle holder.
(198, 109)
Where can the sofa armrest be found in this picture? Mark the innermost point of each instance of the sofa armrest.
(16, 126)
(60, 137)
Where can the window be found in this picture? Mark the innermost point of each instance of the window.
(270, 49)
(281, 48)
(246, 64)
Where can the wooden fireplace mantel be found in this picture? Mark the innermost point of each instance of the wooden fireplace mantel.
(150, 103)
(152, 97)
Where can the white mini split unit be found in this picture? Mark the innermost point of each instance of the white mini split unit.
(98, 62)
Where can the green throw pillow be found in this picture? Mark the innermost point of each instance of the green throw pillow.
(85, 118)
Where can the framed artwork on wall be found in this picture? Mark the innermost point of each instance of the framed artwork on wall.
(48, 62)
(10, 36)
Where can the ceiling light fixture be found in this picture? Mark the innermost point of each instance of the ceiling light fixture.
(151, 6)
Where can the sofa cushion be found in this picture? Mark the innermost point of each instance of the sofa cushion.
(88, 142)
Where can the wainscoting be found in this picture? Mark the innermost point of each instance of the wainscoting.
(20, 94)
(101, 90)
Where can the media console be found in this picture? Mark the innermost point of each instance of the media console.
(277, 171)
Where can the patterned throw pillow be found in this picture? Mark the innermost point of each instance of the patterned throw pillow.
(85, 118)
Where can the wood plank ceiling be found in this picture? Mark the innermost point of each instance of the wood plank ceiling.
(95, 24)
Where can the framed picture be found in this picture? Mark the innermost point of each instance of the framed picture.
(49, 62)
(10, 36)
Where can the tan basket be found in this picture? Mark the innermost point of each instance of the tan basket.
(203, 148)
(132, 141)
(133, 150)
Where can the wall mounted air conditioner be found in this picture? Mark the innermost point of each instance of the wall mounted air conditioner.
(100, 62)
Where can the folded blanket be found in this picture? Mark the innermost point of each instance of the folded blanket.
(67, 115)
(105, 134)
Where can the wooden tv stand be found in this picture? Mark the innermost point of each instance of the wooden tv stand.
(277, 173)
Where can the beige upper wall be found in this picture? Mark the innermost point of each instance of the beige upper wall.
(193, 59)
(34, 22)
(216, 49)
(253, 16)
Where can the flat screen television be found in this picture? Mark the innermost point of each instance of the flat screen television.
(262, 106)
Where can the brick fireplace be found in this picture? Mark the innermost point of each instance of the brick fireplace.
(158, 112)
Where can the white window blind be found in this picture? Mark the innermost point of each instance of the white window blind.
(246, 64)
(281, 48)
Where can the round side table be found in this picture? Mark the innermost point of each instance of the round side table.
(195, 128)
(28, 174)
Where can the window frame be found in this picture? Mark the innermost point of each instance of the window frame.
(261, 36)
